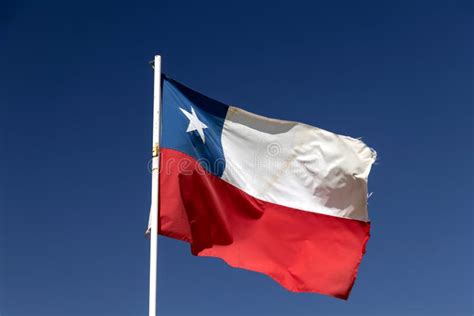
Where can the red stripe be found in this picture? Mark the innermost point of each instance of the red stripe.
(303, 251)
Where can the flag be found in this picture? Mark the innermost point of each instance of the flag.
(277, 197)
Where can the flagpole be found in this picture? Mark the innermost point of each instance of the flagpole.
(155, 185)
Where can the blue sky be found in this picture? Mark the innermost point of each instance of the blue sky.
(77, 135)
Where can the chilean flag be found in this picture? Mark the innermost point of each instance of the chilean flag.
(277, 197)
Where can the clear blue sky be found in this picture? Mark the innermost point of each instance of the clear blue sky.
(75, 187)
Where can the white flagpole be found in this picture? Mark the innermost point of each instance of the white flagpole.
(155, 185)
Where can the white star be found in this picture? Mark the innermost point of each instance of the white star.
(194, 123)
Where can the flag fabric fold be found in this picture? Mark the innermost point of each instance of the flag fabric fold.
(276, 197)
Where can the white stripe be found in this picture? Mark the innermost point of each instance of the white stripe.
(296, 165)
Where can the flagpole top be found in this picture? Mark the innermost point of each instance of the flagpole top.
(152, 62)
